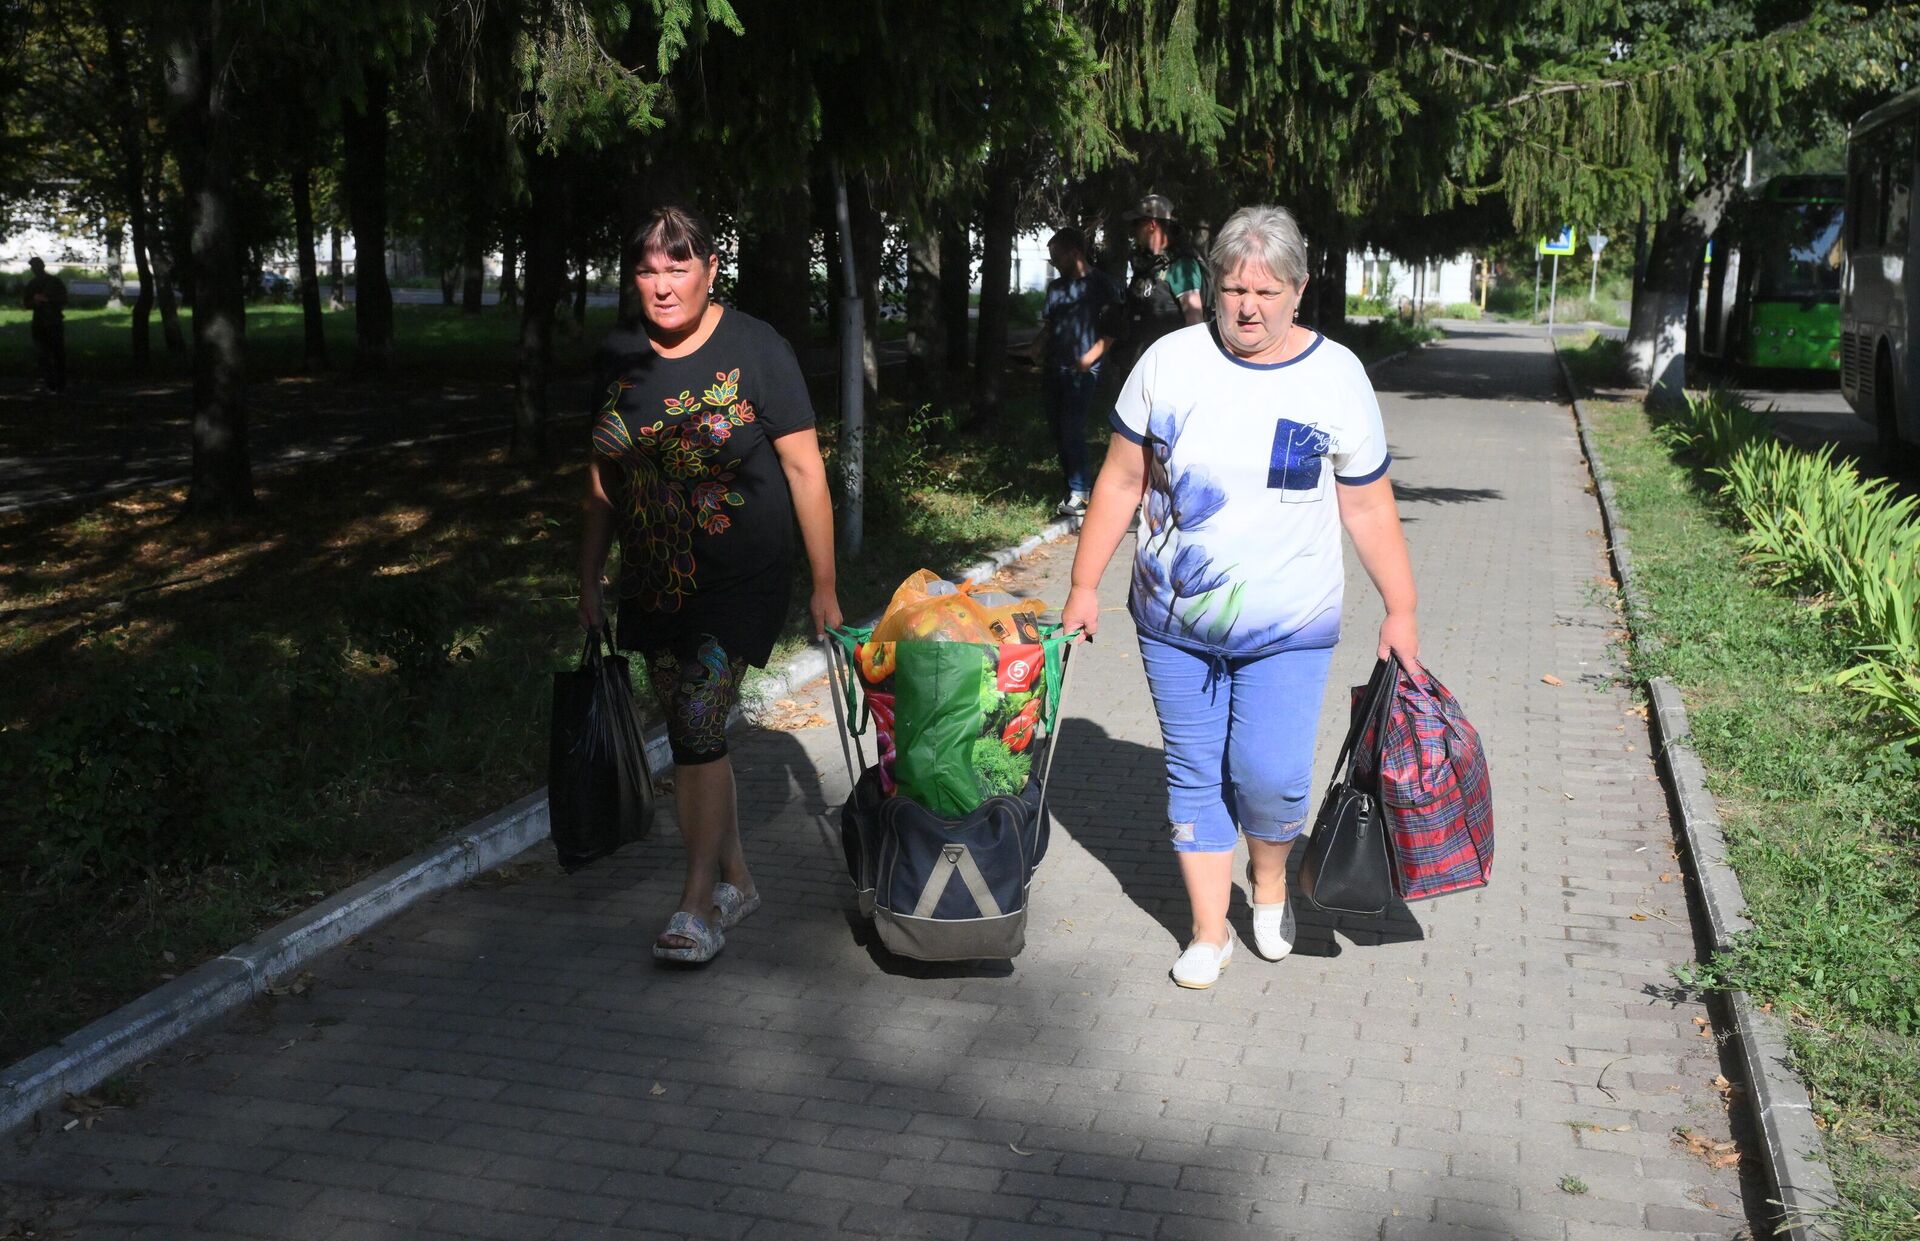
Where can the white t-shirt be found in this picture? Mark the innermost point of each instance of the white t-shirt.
(1239, 544)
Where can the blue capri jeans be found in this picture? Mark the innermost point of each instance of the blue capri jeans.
(1239, 739)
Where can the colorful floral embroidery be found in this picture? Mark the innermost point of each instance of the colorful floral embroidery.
(698, 694)
(677, 482)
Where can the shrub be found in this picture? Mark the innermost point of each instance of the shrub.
(1597, 362)
(161, 769)
(1813, 524)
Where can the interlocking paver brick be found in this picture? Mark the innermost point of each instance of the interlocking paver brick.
(508, 1060)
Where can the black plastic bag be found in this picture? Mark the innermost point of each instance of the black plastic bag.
(599, 791)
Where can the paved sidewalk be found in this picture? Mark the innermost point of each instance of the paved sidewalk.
(506, 1061)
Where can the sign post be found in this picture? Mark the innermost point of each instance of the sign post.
(1596, 242)
(1556, 246)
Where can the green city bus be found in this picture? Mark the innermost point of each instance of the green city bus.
(1771, 300)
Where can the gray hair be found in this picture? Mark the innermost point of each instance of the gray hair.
(1268, 236)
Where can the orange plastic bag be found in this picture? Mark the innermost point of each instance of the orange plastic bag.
(938, 618)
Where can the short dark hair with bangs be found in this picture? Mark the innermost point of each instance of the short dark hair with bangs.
(677, 233)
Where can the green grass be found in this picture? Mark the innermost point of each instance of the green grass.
(289, 701)
(1819, 813)
(1384, 337)
(1511, 296)
(1595, 361)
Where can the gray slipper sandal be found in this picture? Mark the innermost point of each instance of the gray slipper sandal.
(706, 941)
(733, 904)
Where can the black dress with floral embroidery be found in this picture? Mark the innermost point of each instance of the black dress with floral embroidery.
(702, 509)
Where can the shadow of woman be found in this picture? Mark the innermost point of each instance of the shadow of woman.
(1109, 794)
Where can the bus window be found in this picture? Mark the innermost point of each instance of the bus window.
(1898, 171)
(1798, 252)
(1863, 211)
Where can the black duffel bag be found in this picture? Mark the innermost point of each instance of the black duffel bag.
(599, 791)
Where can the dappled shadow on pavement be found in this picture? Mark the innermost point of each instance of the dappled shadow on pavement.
(508, 1060)
(1123, 826)
(1478, 362)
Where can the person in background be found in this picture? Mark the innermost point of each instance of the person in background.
(46, 296)
(1253, 441)
(1075, 334)
(1165, 294)
(704, 456)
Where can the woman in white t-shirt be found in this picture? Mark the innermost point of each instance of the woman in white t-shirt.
(1253, 441)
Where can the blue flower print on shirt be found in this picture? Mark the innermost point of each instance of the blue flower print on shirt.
(1193, 572)
(1293, 469)
(1150, 578)
(1189, 502)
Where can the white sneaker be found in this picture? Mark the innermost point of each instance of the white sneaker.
(1199, 966)
(1273, 930)
(1074, 505)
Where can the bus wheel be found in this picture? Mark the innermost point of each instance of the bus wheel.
(1896, 456)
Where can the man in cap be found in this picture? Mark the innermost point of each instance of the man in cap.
(46, 296)
(1167, 286)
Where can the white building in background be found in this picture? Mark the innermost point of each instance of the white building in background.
(1448, 281)
(1377, 276)
(57, 249)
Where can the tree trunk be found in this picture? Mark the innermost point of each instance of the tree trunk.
(510, 270)
(956, 292)
(776, 253)
(869, 246)
(853, 413)
(580, 291)
(160, 257)
(313, 350)
(546, 283)
(116, 266)
(336, 275)
(926, 330)
(481, 147)
(200, 101)
(129, 118)
(996, 288)
(1327, 291)
(1657, 339)
(473, 278)
(365, 131)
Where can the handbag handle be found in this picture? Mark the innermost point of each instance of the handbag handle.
(590, 654)
(1376, 703)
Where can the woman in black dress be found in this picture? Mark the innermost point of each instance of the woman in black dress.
(704, 453)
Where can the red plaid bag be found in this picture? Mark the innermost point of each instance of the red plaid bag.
(1434, 789)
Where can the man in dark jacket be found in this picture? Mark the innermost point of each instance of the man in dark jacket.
(46, 297)
(1167, 285)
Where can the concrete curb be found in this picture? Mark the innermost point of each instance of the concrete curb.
(175, 1009)
(123, 1037)
(1794, 1151)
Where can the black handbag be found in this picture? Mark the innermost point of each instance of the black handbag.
(1347, 868)
(599, 791)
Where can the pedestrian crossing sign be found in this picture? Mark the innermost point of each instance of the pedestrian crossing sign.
(1561, 243)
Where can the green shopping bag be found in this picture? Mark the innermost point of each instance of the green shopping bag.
(959, 721)
(936, 721)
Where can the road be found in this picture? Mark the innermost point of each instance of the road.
(1807, 411)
